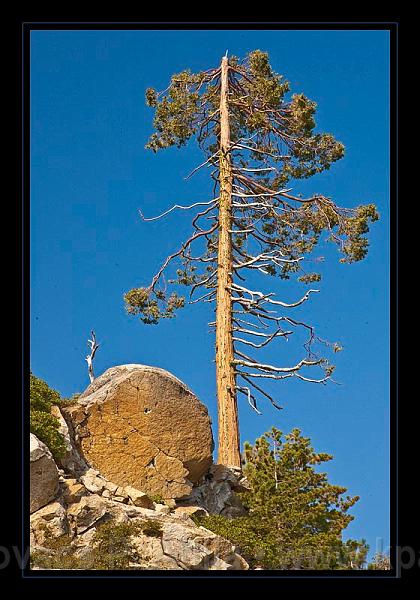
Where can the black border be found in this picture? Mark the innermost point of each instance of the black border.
(24, 56)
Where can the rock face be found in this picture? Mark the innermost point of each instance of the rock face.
(43, 475)
(48, 522)
(140, 426)
(178, 545)
(215, 493)
(71, 461)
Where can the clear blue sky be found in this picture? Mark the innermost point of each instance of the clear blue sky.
(90, 173)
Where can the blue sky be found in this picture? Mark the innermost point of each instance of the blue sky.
(90, 173)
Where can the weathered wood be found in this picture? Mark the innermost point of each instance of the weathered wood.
(229, 445)
(89, 358)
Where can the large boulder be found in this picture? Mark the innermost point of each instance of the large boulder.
(43, 475)
(140, 426)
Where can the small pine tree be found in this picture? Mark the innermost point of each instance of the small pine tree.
(295, 516)
(42, 423)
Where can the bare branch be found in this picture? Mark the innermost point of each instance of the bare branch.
(265, 375)
(93, 345)
(299, 365)
(258, 195)
(266, 256)
(257, 387)
(203, 164)
(209, 297)
(202, 214)
(258, 151)
(254, 170)
(268, 337)
(201, 283)
(251, 399)
(322, 380)
(214, 201)
(266, 297)
(175, 254)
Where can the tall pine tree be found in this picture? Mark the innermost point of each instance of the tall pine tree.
(255, 139)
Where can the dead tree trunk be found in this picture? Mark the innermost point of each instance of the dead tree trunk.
(89, 358)
(229, 448)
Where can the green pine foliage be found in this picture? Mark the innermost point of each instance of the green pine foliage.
(42, 423)
(271, 129)
(140, 301)
(295, 516)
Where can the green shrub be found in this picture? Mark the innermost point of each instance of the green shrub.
(255, 542)
(69, 401)
(44, 426)
(42, 396)
(42, 423)
(111, 550)
(58, 553)
(151, 528)
(157, 498)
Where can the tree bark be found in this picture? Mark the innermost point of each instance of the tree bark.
(229, 445)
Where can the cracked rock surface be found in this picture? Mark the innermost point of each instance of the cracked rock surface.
(179, 545)
(43, 475)
(140, 426)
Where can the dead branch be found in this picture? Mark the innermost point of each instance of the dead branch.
(261, 391)
(175, 254)
(272, 368)
(210, 202)
(257, 297)
(93, 345)
(251, 398)
(203, 164)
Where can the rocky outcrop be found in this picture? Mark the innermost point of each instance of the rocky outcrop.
(138, 451)
(49, 522)
(216, 493)
(71, 462)
(140, 426)
(163, 540)
(43, 475)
